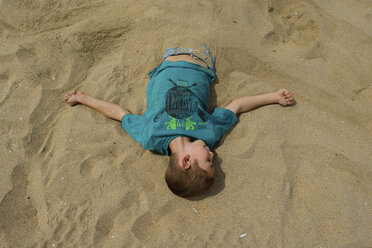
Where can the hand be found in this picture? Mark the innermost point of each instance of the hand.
(71, 98)
(285, 97)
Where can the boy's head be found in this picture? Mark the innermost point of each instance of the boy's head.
(191, 173)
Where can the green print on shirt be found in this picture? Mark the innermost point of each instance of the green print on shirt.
(180, 105)
(174, 123)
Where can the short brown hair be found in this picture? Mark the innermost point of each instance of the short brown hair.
(186, 183)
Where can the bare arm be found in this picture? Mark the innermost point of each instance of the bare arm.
(110, 110)
(247, 103)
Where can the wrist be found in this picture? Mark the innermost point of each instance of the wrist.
(80, 98)
(275, 97)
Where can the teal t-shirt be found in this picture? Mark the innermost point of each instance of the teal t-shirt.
(177, 100)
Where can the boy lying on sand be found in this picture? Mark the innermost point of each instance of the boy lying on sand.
(176, 122)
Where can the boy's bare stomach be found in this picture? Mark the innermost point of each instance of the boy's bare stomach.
(185, 57)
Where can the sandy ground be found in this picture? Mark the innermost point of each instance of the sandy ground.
(286, 177)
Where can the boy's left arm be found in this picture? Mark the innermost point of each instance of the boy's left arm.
(244, 104)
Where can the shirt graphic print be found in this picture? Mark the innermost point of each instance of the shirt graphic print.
(180, 105)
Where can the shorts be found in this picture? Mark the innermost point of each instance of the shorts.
(207, 58)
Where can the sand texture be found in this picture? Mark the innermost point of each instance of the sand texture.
(299, 176)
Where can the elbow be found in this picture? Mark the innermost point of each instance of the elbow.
(235, 106)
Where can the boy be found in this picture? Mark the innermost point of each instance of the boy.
(176, 122)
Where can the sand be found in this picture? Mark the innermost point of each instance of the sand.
(299, 176)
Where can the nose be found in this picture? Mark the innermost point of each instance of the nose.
(211, 154)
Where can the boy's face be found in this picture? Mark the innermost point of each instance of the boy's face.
(203, 156)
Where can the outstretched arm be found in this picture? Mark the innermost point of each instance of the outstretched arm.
(244, 104)
(108, 109)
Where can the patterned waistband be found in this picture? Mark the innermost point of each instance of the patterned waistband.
(207, 58)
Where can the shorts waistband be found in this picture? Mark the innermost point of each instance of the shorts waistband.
(207, 58)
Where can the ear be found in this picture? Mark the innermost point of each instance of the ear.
(186, 162)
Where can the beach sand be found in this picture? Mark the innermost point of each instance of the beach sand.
(299, 176)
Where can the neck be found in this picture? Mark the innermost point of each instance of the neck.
(178, 145)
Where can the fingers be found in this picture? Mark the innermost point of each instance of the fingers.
(285, 92)
(289, 100)
(69, 95)
(288, 96)
(285, 97)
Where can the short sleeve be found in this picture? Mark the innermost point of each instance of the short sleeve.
(134, 125)
(223, 120)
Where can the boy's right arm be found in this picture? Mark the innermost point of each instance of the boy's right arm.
(110, 110)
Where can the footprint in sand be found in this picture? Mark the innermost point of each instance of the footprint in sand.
(104, 225)
(301, 28)
(292, 23)
(44, 70)
(16, 209)
(26, 56)
(72, 226)
(95, 166)
(105, 222)
(144, 228)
